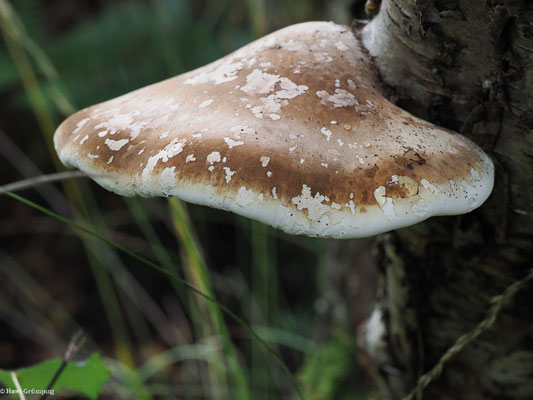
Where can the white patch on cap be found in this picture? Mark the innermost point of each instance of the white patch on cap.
(167, 177)
(432, 188)
(379, 195)
(292, 148)
(124, 122)
(229, 174)
(341, 46)
(232, 143)
(323, 57)
(292, 45)
(85, 138)
(264, 161)
(274, 194)
(326, 132)
(289, 89)
(351, 206)
(269, 174)
(172, 149)
(190, 158)
(213, 157)
(313, 204)
(258, 82)
(80, 125)
(341, 98)
(116, 145)
(244, 196)
(385, 203)
(92, 156)
(205, 103)
(336, 206)
(225, 72)
(172, 106)
(110, 160)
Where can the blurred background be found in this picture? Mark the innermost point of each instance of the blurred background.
(305, 297)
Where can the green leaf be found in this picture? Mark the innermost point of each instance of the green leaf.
(86, 377)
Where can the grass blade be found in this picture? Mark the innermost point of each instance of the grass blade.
(10, 27)
(40, 180)
(163, 271)
(196, 270)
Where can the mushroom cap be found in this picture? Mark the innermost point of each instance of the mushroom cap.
(291, 130)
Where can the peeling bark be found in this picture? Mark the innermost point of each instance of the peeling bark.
(468, 66)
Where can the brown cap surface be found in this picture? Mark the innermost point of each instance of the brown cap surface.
(291, 130)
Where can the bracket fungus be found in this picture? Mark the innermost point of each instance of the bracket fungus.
(291, 130)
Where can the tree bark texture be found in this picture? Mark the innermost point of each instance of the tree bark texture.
(466, 65)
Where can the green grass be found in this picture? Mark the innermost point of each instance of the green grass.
(15, 38)
(215, 306)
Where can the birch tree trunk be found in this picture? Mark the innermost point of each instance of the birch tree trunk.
(466, 65)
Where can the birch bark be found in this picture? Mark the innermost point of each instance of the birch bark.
(468, 66)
